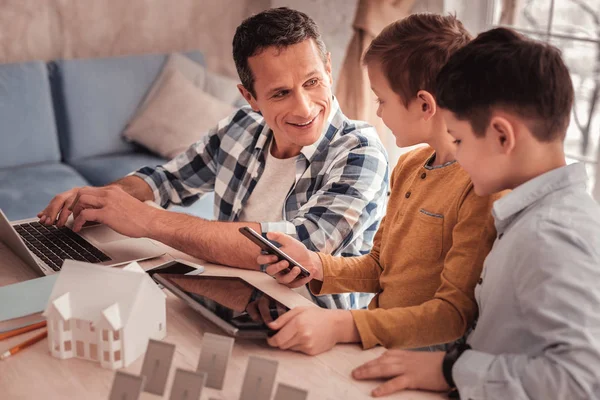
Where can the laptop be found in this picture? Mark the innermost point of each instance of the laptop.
(44, 248)
(233, 304)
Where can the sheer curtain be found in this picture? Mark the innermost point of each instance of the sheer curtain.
(353, 90)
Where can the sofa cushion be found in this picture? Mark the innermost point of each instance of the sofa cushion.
(102, 170)
(193, 71)
(219, 86)
(27, 118)
(95, 98)
(27, 190)
(177, 116)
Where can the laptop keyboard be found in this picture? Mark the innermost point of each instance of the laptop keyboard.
(53, 245)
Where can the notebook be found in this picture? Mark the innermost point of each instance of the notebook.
(23, 302)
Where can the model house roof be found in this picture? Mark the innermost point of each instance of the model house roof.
(95, 293)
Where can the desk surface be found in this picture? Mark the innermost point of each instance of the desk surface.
(34, 373)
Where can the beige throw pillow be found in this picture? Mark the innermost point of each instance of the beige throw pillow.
(193, 71)
(177, 115)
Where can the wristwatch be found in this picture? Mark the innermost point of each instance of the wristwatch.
(455, 351)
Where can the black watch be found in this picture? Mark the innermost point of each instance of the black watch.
(450, 358)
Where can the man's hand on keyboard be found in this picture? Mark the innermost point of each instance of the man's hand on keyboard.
(112, 206)
(59, 208)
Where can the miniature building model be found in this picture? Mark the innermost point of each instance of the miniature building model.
(104, 314)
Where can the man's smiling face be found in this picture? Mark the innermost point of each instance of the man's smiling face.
(293, 93)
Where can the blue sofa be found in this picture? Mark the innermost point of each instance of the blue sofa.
(61, 128)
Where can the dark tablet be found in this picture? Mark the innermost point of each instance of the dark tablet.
(231, 303)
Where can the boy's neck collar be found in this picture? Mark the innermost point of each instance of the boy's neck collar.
(506, 208)
(430, 164)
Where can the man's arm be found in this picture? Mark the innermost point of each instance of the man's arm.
(557, 288)
(350, 201)
(189, 175)
(213, 241)
(346, 205)
(136, 187)
(181, 181)
(218, 242)
(61, 206)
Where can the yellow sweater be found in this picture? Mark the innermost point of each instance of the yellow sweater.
(426, 259)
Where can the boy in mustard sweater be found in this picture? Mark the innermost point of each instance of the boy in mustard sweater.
(429, 250)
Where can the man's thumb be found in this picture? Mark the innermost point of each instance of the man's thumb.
(279, 237)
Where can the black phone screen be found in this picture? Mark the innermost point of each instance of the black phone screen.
(175, 268)
(267, 246)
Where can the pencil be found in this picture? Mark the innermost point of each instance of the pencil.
(24, 345)
(22, 329)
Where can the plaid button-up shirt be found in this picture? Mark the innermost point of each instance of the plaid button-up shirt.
(334, 206)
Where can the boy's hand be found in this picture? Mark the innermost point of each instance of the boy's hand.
(408, 370)
(299, 253)
(312, 330)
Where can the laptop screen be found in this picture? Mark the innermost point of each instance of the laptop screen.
(230, 298)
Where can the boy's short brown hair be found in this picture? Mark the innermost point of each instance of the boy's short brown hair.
(504, 69)
(412, 51)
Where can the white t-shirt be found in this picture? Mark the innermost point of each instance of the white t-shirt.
(266, 201)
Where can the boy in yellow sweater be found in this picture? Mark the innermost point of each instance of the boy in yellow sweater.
(429, 250)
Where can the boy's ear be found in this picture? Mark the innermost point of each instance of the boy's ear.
(427, 104)
(502, 133)
(248, 96)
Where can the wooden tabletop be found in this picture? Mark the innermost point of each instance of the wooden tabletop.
(35, 374)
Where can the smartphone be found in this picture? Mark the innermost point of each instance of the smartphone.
(179, 267)
(270, 248)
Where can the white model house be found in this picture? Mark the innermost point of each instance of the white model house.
(104, 314)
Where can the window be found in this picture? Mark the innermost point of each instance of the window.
(93, 351)
(106, 356)
(105, 335)
(68, 345)
(67, 325)
(574, 27)
(118, 355)
(116, 335)
(80, 348)
(92, 328)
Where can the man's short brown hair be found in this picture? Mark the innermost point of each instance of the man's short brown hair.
(502, 68)
(276, 27)
(412, 51)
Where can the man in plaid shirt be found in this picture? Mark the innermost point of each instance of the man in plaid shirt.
(290, 159)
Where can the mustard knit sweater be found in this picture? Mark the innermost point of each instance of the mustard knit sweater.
(426, 259)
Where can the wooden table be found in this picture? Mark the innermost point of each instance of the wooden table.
(35, 374)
